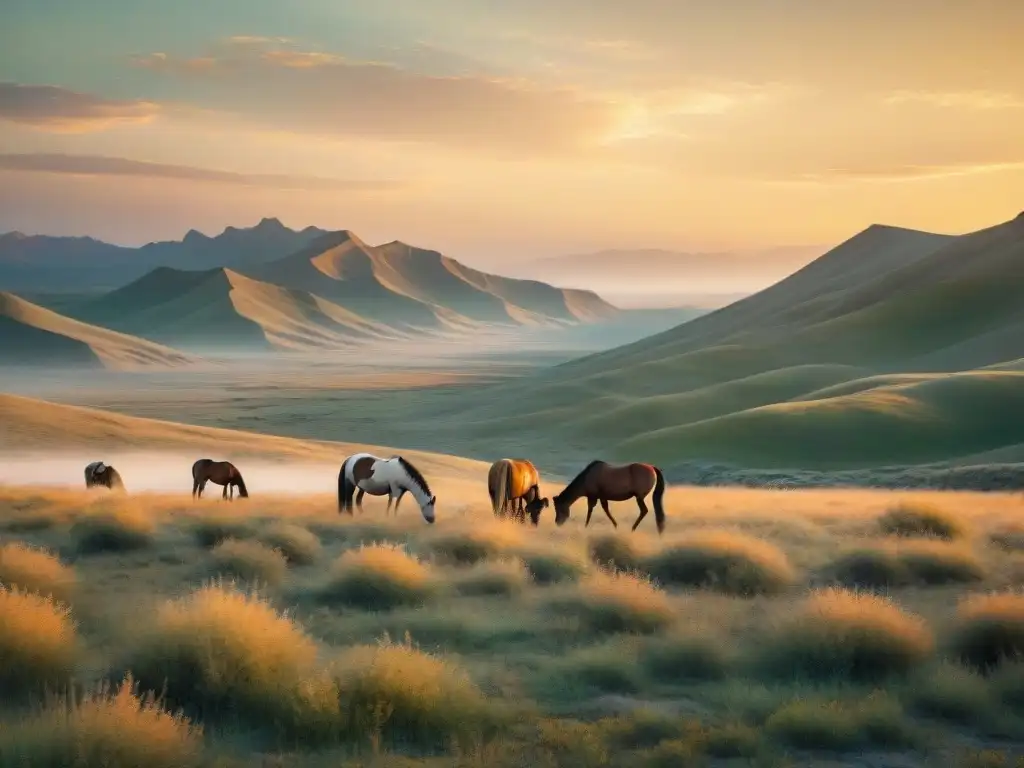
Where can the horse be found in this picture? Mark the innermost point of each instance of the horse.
(600, 481)
(99, 473)
(515, 483)
(366, 473)
(221, 473)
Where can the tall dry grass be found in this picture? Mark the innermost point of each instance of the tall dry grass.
(988, 630)
(298, 544)
(113, 529)
(919, 519)
(614, 601)
(39, 643)
(35, 570)
(379, 577)
(249, 561)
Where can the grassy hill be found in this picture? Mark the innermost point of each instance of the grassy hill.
(33, 335)
(897, 347)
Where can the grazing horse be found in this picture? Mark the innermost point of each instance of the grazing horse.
(515, 484)
(604, 482)
(366, 473)
(221, 473)
(99, 473)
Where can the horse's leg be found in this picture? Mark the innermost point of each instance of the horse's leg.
(231, 491)
(202, 487)
(643, 512)
(359, 499)
(195, 487)
(604, 506)
(398, 500)
(225, 494)
(391, 500)
(591, 503)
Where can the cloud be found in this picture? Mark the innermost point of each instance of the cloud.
(327, 93)
(901, 173)
(99, 165)
(980, 100)
(61, 110)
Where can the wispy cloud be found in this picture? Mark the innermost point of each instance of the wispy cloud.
(56, 109)
(981, 100)
(902, 173)
(100, 165)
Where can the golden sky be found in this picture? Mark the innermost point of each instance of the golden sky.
(513, 129)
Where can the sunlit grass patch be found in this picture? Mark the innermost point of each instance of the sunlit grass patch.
(212, 530)
(552, 565)
(407, 696)
(35, 570)
(818, 724)
(113, 729)
(614, 601)
(222, 650)
(728, 562)
(989, 629)
(299, 545)
(249, 560)
(117, 529)
(493, 577)
(847, 635)
(38, 643)
(899, 564)
(917, 519)
(487, 538)
(379, 577)
(613, 550)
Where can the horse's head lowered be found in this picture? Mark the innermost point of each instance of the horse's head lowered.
(535, 507)
(561, 510)
(428, 509)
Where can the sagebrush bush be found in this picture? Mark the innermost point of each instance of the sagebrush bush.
(989, 630)
(38, 643)
(846, 635)
(868, 568)
(593, 670)
(115, 730)
(211, 531)
(551, 566)
(876, 721)
(493, 577)
(951, 692)
(249, 560)
(728, 562)
(615, 601)
(408, 696)
(35, 570)
(938, 562)
(611, 550)
(299, 545)
(379, 577)
(221, 650)
(680, 656)
(112, 530)
(486, 539)
(916, 519)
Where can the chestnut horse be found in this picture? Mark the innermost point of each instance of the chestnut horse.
(603, 482)
(99, 473)
(220, 473)
(514, 485)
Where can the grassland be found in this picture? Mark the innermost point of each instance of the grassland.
(764, 628)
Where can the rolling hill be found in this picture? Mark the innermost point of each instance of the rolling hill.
(897, 347)
(33, 335)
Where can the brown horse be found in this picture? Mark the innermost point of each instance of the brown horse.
(603, 482)
(220, 473)
(515, 484)
(99, 473)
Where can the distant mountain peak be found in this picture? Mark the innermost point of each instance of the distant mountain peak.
(270, 223)
(194, 236)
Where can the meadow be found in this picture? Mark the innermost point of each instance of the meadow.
(765, 628)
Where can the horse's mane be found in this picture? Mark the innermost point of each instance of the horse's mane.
(577, 481)
(415, 475)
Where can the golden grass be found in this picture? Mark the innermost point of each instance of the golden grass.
(552, 564)
(118, 729)
(35, 570)
(989, 629)
(919, 519)
(298, 544)
(837, 726)
(119, 528)
(615, 601)
(847, 635)
(211, 531)
(899, 564)
(221, 650)
(508, 576)
(38, 643)
(249, 561)
(484, 539)
(614, 550)
(379, 577)
(722, 560)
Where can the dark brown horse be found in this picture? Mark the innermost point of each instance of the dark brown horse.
(99, 473)
(220, 473)
(514, 485)
(603, 482)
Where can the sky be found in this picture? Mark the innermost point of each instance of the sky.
(512, 129)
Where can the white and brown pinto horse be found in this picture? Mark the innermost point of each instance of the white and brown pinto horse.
(364, 473)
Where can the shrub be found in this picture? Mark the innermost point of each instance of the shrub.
(552, 567)
(610, 550)
(486, 540)
(838, 726)
(607, 601)
(211, 531)
(869, 568)
(299, 545)
(679, 657)
(379, 577)
(499, 577)
(38, 643)
(841, 634)
(112, 530)
(915, 519)
(1010, 538)
(594, 670)
(936, 562)
(409, 696)
(221, 650)
(952, 693)
(729, 562)
(35, 570)
(122, 730)
(249, 561)
(989, 630)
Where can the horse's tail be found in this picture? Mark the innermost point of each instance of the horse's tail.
(242, 490)
(115, 479)
(501, 492)
(659, 493)
(343, 489)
